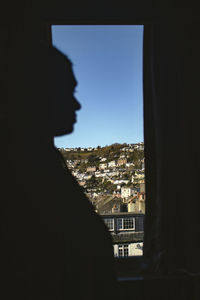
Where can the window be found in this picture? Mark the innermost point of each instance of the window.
(123, 250)
(107, 62)
(126, 223)
(109, 223)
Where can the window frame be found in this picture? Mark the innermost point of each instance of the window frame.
(123, 221)
(129, 266)
(122, 247)
(113, 226)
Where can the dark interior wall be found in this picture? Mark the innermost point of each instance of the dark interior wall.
(116, 12)
(171, 101)
(171, 93)
(98, 12)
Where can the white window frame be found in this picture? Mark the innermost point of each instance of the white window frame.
(122, 220)
(109, 221)
(123, 248)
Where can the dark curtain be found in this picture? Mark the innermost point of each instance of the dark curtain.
(171, 122)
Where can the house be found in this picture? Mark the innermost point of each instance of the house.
(120, 181)
(98, 174)
(112, 164)
(143, 164)
(130, 164)
(102, 166)
(121, 161)
(85, 161)
(125, 149)
(79, 176)
(91, 169)
(141, 196)
(142, 187)
(103, 159)
(112, 174)
(126, 192)
(95, 195)
(131, 206)
(117, 194)
(138, 177)
(127, 230)
(87, 177)
(82, 182)
(141, 146)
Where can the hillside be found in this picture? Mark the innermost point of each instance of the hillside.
(108, 174)
(111, 152)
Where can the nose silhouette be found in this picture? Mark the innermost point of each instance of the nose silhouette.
(77, 104)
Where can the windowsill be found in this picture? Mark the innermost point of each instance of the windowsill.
(155, 286)
(129, 267)
(125, 279)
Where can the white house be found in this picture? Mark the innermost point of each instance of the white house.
(103, 159)
(102, 166)
(130, 164)
(112, 164)
(87, 177)
(119, 181)
(126, 192)
(131, 249)
(127, 233)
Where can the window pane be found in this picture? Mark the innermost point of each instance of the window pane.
(126, 250)
(105, 152)
(120, 251)
(128, 224)
(123, 250)
(109, 223)
(119, 224)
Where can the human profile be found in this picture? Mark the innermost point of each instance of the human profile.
(55, 246)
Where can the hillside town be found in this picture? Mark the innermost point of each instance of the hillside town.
(113, 178)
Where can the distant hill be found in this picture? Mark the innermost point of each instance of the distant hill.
(111, 152)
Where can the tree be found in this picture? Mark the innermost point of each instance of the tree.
(82, 167)
(93, 158)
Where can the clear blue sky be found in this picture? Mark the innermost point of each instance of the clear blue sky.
(108, 66)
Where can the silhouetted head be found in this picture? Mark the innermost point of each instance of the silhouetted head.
(48, 105)
(62, 102)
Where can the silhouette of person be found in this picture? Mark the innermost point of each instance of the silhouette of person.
(54, 245)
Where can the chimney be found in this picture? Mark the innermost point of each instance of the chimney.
(131, 206)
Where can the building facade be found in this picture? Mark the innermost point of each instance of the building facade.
(127, 230)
